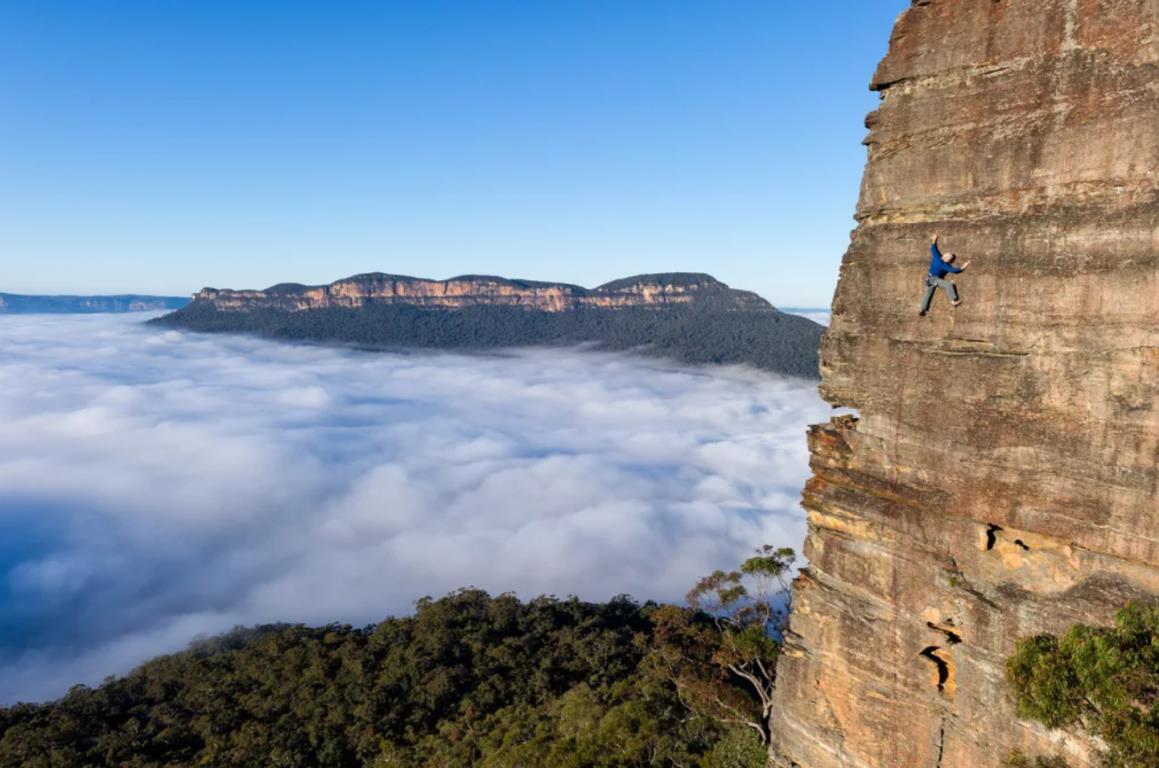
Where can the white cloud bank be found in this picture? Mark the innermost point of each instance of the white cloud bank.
(820, 316)
(156, 485)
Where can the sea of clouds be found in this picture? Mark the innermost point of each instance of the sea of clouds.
(157, 485)
(817, 315)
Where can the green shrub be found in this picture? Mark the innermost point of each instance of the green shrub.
(1104, 680)
(738, 749)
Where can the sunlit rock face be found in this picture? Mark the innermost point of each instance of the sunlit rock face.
(1001, 480)
(467, 291)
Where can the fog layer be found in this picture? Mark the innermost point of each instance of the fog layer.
(156, 485)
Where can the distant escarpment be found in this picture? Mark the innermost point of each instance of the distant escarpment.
(692, 318)
(653, 291)
(1002, 479)
(19, 304)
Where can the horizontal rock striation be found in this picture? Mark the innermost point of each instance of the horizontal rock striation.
(1001, 478)
(677, 289)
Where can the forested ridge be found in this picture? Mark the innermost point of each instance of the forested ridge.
(468, 680)
(765, 339)
(495, 682)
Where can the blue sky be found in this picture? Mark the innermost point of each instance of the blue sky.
(163, 146)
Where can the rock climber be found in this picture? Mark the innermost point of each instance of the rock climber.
(940, 266)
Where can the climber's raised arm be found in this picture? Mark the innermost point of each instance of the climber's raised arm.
(940, 267)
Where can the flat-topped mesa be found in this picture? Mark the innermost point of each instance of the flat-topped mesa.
(648, 291)
(687, 317)
(1001, 480)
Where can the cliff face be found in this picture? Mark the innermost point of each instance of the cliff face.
(468, 291)
(1001, 480)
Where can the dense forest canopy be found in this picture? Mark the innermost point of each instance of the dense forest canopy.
(769, 340)
(469, 679)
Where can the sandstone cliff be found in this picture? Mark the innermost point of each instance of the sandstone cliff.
(1001, 480)
(478, 290)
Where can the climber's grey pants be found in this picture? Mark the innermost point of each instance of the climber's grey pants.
(932, 284)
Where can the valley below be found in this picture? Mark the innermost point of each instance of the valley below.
(161, 485)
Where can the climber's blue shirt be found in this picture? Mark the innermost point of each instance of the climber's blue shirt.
(939, 268)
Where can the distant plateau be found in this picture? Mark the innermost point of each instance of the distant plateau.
(19, 304)
(688, 317)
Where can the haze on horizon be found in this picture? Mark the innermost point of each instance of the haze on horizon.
(157, 148)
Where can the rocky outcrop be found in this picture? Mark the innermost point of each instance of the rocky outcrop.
(1000, 478)
(676, 289)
